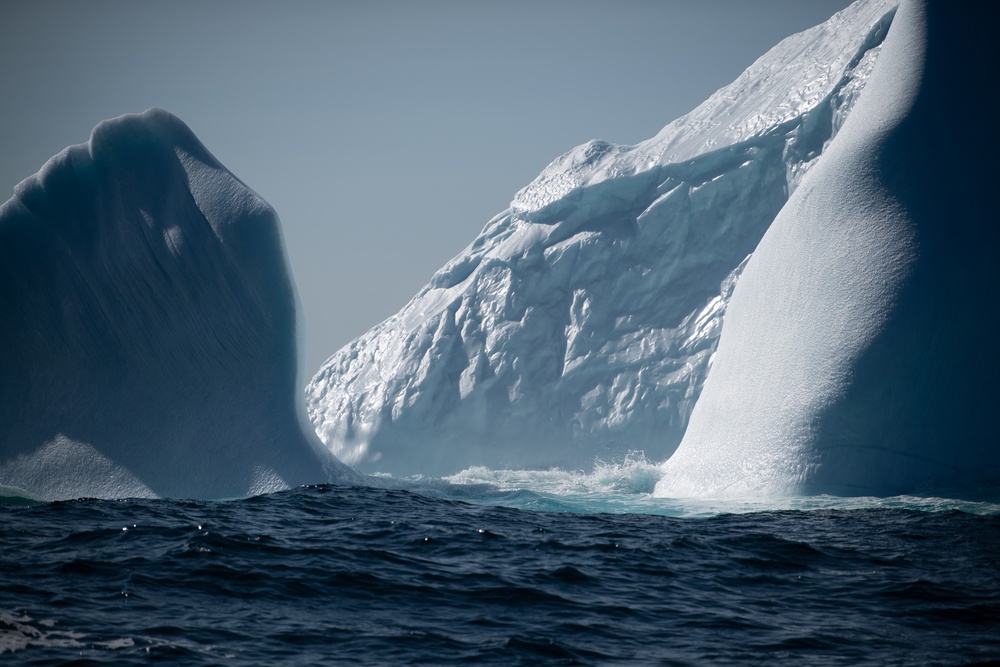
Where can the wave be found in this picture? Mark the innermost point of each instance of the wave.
(626, 486)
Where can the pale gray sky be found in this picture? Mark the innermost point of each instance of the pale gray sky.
(385, 133)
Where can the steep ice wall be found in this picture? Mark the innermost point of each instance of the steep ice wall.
(859, 354)
(580, 323)
(147, 327)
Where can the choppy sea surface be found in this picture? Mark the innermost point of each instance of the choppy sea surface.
(501, 568)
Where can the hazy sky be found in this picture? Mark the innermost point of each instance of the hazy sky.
(385, 134)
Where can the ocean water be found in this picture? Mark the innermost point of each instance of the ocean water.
(501, 568)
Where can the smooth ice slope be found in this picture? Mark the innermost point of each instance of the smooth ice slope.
(580, 323)
(859, 352)
(147, 327)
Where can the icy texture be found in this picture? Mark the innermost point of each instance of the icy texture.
(147, 327)
(859, 352)
(581, 321)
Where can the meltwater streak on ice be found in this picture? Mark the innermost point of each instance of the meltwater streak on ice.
(148, 327)
(580, 323)
(859, 352)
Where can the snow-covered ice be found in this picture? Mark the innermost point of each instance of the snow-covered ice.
(148, 327)
(581, 322)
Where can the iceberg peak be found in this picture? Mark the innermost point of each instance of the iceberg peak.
(148, 327)
(581, 322)
(858, 354)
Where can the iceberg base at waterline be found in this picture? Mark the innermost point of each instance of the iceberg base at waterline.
(148, 327)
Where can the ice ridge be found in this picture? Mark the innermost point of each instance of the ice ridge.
(581, 322)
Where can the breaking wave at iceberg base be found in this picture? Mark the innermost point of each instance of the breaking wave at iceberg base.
(626, 487)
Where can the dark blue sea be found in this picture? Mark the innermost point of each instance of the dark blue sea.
(485, 570)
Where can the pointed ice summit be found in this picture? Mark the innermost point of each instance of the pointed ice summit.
(148, 327)
(581, 322)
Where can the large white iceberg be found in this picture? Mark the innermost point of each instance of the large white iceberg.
(859, 354)
(581, 322)
(148, 327)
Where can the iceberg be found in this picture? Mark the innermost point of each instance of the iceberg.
(148, 328)
(581, 322)
(858, 356)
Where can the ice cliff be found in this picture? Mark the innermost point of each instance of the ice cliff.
(859, 352)
(147, 327)
(581, 322)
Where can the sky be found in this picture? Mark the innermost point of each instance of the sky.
(385, 133)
